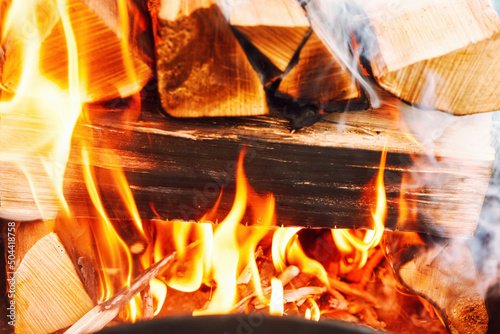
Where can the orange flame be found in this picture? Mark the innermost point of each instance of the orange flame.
(233, 249)
(49, 114)
(349, 242)
(38, 120)
(114, 255)
(312, 313)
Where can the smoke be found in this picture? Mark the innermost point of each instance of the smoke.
(337, 23)
(496, 5)
(485, 246)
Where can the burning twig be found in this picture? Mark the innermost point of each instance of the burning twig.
(300, 295)
(289, 274)
(103, 313)
(285, 277)
(147, 303)
(348, 289)
(246, 274)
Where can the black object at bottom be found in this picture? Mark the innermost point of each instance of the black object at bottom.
(238, 324)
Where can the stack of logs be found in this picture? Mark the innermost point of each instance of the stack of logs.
(244, 59)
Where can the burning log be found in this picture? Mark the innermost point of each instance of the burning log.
(202, 69)
(113, 48)
(49, 294)
(438, 54)
(445, 276)
(318, 176)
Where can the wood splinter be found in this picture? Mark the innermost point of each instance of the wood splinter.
(103, 313)
(147, 303)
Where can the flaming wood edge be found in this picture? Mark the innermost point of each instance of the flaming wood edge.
(103, 313)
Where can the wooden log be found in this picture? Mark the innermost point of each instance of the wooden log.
(319, 176)
(49, 294)
(276, 28)
(318, 77)
(438, 54)
(101, 38)
(202, 69)
(445, 275)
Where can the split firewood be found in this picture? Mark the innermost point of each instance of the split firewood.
(438, 54)
(276, 28)
(113, 57)
(444, 274)
(202, 69)
(102, 314)
(288, 274)
(28, 234)
(318, 77)
(49, 294)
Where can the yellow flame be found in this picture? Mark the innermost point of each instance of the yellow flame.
(37, 123)
(191, 266)
(125, 31)
(314, 312)
(286, 249)
(128, 198)
(276, 304)
(159, 292)
(281, 239)
(226, 250)
(347, 241)
(114, 255)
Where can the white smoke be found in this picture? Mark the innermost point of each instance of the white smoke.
(486, 244)
(336, 22)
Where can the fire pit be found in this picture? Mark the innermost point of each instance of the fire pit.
(132, 192)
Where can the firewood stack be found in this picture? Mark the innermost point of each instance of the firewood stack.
(203, 69)
(439, 55)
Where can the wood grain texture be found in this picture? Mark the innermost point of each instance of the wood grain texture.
(275, 27)
(202, 69)
(320, 176)
(445, 275)
(438, 54)
(49, 293)
(318, 77)
(108, 71)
